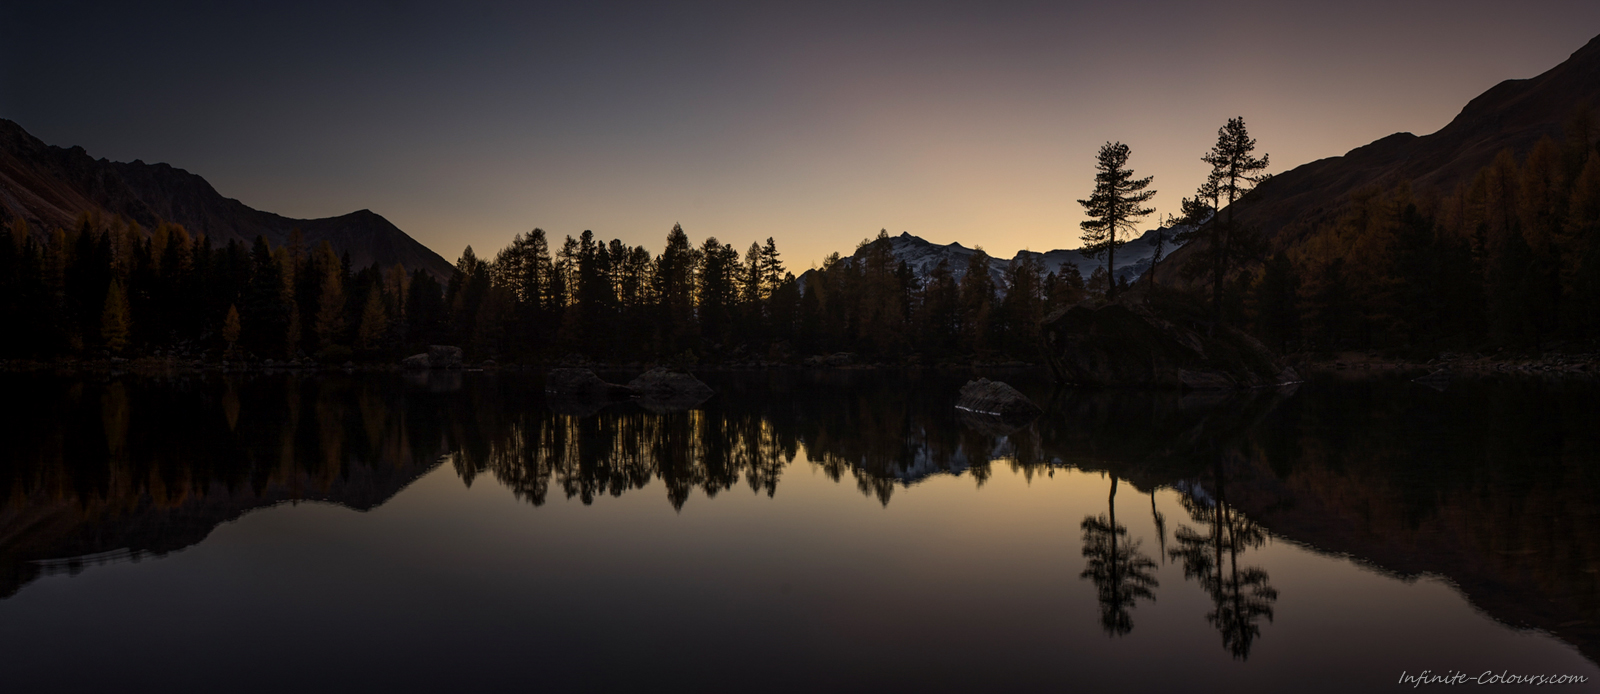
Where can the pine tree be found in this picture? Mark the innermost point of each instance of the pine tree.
(330, 309)
(231, 327)
(977, 303)
(1235, 171)
(1114, 206)
(771, 268)
(882, 315)
(939, 318)
(114, 320)
(374, 321)
(1277, 298)
(674, 289)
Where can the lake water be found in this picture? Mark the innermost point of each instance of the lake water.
(799, 531)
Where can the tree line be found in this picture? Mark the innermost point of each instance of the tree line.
(108, 286)
(1512, 258)
(1509, 259)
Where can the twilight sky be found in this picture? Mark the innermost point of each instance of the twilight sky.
(814, 123)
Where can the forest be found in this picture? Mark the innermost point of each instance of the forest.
(1509, 260)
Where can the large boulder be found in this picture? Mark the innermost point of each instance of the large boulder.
(582, 384)
(416, 362)
(437, 357)
(664, 384)
(995, 399)
(444, 357)
(1130, 343)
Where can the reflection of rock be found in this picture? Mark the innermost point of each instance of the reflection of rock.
(1126, 343)
(435, 381)
(990, 425)
(678, 403)
(582, 383)
(664, 384)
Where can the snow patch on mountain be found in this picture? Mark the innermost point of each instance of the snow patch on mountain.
(922, 256)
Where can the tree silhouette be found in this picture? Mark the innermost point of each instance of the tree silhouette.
(114, 320)
(1114, 206)
(1121, 573)
(1235, 171)
(1240, 597)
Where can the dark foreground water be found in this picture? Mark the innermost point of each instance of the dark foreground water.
(809, 531)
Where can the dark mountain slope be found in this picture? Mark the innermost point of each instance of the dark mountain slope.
(50, 186)
(1514, 114)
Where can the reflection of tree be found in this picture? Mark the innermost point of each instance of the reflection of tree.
(1161, 528)
(1121, 573)
(622, 449)
(1240, 596)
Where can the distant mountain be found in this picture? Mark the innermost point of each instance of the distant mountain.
(49, 187)
(922, 256)
(1514, 114)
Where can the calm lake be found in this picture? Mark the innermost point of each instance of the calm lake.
(799, 531)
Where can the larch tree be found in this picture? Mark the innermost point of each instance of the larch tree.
(1114, 207)
(231, 327)
(1235, 171)
(114, 322)
(330, 301)
(374, 320)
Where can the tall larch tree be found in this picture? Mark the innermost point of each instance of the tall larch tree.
(114, 320)
(1115, 206)
(1235, 171)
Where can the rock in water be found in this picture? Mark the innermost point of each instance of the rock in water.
(437, 357)
(1127, 343)
(416, 362)
(665, 384)
(444, 357)
(582, 383)
(997, 399)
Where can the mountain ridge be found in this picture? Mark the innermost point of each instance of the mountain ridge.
(922, 255)
(49, 186)
(1513, 114)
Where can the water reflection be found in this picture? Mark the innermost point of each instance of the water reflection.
(1493, 485)
(1240, 596)
(1120, 571)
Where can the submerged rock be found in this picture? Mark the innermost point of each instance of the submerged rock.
(1128, 343)
(661, 383)
(996, 399)
(582, 383)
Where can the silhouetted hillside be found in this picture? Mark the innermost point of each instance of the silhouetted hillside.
(50, 186)
(1513, 115)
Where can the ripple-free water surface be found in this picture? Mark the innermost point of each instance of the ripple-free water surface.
(799, 531)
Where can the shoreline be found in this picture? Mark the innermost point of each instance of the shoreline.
(1345, 365)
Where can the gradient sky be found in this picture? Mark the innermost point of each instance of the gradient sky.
(813, 123)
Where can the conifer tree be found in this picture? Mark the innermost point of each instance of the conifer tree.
(674, 290)
(771, 268)
(114, 320)
(1235, 171)
(374, 321)
(231, 327)
(1115, 206)
(977, 303)
(330, 309)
